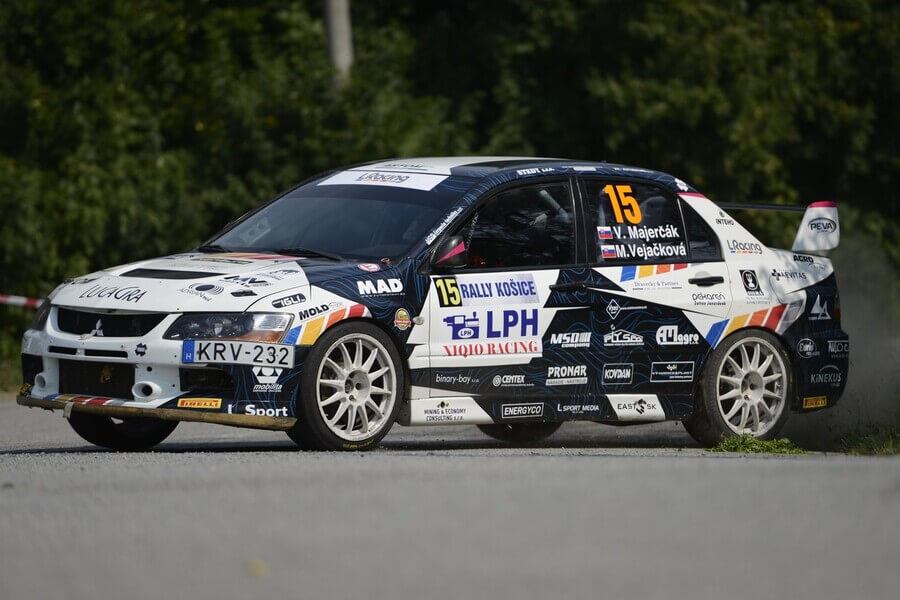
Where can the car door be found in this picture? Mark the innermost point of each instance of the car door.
(667, 265)
(492, 321)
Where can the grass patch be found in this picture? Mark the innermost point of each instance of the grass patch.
(747, 444)
(873, 440)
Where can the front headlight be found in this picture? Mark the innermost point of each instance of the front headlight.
(40, 317)
(257, 327)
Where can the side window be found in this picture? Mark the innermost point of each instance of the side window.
(702, 242)
(525, 226)
(635, 223)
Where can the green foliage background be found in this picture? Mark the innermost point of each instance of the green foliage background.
(130, 129)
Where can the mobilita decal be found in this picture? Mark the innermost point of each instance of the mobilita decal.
(736, 247)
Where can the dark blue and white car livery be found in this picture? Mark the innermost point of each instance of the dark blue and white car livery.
(510, 293)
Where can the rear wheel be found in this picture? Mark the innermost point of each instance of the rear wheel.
(353, 382)
(126, 435)
(520, 433)
(745, 390)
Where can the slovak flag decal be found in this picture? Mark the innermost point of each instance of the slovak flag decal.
(604, 233)
(608, 251)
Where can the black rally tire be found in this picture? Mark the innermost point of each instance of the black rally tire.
(125, 435)
(520, 433)
(707, 424)
(311, 432)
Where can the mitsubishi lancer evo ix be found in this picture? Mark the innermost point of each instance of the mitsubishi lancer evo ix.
(509, 293)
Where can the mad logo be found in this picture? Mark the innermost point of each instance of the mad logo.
(379, 287)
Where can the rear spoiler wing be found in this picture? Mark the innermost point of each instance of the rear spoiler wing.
(819, 230)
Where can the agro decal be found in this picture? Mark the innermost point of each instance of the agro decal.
(486, 290)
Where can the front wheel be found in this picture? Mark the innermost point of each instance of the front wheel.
(520, 433)
(353, 383)
(745, 390)
(125, 435)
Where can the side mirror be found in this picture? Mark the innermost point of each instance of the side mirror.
(450, 253)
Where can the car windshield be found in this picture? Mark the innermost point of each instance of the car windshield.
(363, 221)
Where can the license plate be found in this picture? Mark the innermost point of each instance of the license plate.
(237, 353)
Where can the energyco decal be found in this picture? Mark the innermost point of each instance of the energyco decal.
(520, 411)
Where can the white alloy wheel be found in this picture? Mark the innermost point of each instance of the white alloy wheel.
(751, 387)
(356, 387)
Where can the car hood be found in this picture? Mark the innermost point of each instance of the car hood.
(186, 283)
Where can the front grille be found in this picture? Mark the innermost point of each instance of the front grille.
(31, 366)
(124, 325)
(96, 379)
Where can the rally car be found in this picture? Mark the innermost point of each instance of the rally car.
(510, 293)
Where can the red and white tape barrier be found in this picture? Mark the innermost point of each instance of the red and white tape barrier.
(20, 301)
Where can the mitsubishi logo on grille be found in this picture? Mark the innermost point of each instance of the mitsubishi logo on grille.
(98, 328)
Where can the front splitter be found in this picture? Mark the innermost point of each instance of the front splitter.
(166, 414)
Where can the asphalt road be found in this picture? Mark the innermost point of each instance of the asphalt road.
(597, 512)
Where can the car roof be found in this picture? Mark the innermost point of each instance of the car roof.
(517, 167)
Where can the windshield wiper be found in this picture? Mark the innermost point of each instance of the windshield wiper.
(297, 251)
(207, 248)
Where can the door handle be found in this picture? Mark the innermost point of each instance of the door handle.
(706, 281)
(574, 286)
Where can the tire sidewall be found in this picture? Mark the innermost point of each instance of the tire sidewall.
(310, 421)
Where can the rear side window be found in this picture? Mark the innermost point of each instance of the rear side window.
(635, 223)
(703, 243)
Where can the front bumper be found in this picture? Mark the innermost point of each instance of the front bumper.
(110, 407)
